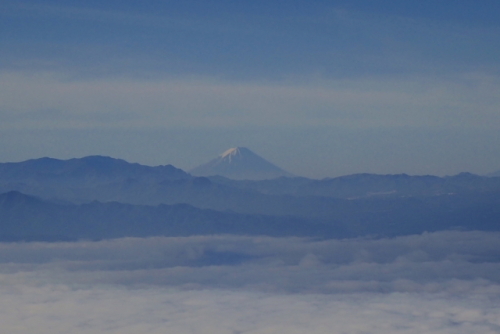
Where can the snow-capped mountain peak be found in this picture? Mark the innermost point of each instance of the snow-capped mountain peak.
(240, 163)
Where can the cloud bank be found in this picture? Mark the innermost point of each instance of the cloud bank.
(445, 282)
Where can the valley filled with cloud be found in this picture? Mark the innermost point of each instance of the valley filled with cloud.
(442, 282)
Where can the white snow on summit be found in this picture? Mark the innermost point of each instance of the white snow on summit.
(240, 163)
(231, 153)
(228, 152)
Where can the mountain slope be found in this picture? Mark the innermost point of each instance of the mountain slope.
(241, 164)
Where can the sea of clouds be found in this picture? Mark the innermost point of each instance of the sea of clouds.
(444, 282)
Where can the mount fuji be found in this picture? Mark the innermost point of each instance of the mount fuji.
(240, 163)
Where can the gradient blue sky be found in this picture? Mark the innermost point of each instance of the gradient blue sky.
(321, 88)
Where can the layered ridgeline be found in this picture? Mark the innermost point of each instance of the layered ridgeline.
(240, 163)
(27, 218)
(109, 197)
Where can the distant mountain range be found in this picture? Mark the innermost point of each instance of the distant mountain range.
(87, 170)
(101, 197)
(240, 163)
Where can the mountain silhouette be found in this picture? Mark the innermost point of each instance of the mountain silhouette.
(87, 170)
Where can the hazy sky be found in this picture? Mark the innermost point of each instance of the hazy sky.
(321, 88)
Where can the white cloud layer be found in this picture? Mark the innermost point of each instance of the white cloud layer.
(56, 309)
(446, 282)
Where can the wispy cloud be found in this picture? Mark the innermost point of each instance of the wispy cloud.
(462, 101)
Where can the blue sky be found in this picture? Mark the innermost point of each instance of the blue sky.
(321, 88)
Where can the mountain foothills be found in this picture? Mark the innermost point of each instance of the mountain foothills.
(101, 197)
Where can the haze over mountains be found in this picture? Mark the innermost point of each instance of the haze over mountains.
(101, 197)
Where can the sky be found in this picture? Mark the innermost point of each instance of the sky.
(436, 283)
(320, 88)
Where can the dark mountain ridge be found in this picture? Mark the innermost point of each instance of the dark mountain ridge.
(28, 218)
(91, 170)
